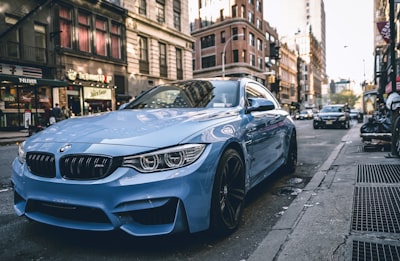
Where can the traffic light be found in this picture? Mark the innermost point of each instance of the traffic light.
(274, 50)
(275, 85)
(271, 78)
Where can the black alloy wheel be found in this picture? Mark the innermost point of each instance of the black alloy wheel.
(228, 193)
(291, 162)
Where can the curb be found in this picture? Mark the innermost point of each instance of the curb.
(271, 245)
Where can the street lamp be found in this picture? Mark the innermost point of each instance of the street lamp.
(223, 52)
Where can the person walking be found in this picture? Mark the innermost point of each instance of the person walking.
(56, 114)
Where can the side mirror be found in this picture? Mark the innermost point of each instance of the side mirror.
(260, 104)
(123, 106)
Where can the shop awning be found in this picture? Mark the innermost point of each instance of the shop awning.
(4, 78)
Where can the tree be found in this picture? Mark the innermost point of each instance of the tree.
(345, 96)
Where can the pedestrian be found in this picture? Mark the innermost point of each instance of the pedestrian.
(56, 113)
(65, 113)
(46, 115)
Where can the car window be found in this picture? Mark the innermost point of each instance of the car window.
(189, 94)
(332, 109)
(254, 90)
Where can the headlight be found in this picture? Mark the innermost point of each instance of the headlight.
(166, 159)
(21, 153)
(342, 118)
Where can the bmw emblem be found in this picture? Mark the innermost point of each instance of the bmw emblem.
(65, 147)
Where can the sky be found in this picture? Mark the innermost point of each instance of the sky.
(349, 38)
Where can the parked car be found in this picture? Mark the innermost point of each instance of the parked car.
(180, 157)
(332, 116)
(305, 115)
(357, 115)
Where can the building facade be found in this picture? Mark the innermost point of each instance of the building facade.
(288, 78)
(229, 39)
(69, 53)
(159, 45)
(87, 56)
(306, 26)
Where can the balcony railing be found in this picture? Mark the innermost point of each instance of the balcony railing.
(14, 50)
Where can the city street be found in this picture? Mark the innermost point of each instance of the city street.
(25, 240)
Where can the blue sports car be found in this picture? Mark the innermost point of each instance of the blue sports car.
(180, 157)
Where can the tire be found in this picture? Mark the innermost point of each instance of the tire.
(291, 162)
(396, 135)
(228, 194)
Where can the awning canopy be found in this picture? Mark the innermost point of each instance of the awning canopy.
(16, 79)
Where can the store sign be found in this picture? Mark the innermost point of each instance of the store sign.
(97, 93)
(74, 75)
(27, 80)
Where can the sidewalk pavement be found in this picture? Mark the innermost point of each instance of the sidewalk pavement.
(13, 137)
(350, 210)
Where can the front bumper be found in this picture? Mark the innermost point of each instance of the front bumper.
(139, 204)
(329, 123)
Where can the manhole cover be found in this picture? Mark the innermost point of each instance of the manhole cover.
(376, 209)
(378, 173)
(375, 251)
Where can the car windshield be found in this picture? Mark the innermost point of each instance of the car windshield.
(189, 94)
(332, 109)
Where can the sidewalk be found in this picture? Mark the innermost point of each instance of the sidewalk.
(12, 137)
(350, 210)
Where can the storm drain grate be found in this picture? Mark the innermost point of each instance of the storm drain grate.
(374, 251)
(376, 173)
(376, 209)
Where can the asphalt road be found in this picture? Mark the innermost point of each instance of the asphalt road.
(21, 239)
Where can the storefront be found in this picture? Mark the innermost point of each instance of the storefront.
(23, 100)
(89, 93)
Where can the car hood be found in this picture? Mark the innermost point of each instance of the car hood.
(156, 128)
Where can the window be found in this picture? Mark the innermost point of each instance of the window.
(177, 15)
(101, 37)
(223, 37)
(243, 14)
(251, 39)
(179, 63)
(143, 55)
(207, 41)
(251, 17)
(160, 5)
(259, 24)
(258, 91)
(258, 6)
(234, 11)
(65, 27)
(83, 32)
(252, 60)
(259, 44)
(163, 60)
(142, 7)
(260, 63)
(40, 42)
(234, 33)
(235, 56)
(116, 41)
(244, 56)
(13, 42)
(208, 61)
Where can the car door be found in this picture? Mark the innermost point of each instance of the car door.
(265, 129)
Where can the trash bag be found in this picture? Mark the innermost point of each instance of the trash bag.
(376, 125)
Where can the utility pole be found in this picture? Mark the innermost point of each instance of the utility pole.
(393, 75)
